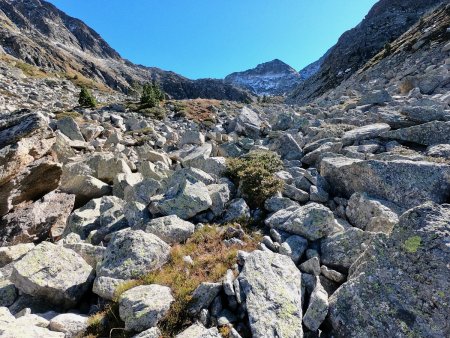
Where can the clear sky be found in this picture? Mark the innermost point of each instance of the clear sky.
(212, 38)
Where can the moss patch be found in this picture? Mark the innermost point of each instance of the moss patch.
(412, 244)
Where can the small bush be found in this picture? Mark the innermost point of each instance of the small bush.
(151, 95)
(86, 99)
(254, 174)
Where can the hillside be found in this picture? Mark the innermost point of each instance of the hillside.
(39, 34)
(386, 21)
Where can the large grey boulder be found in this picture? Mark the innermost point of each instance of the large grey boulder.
(343, 249)
(248, 123)
(314, 156)
(143, 306)
(371, 214)
(45, 218)
(399, 287)
(54, 273)
(427, 134)
(271, 284)
(132, 253)
(69, 127)
(365, 133)
(30, 183)
(287, 147)
(170, 229)
(185, 200)
(312, 221)
(405, 183)
(24, 138)
(85, 188)
(375, 97)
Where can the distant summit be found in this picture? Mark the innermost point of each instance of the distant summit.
(270, 78)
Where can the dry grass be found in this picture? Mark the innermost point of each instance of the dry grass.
(211, 261)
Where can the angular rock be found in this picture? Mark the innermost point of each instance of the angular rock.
(427, 134)
(311, 266)
(375, 97)
(271, 284)
(185, 200)
(85, 188)
(106, 287)
(71, 324)
(400, 286)
(192, 137)
(237, 209)
(171, 229)
(317, 308)
(143, 306)
(197, 330)
(8, 293)
(312, 221)
(69, 127)
(130, 254)
(220, 195)
(314, 156)
(342, 250)
(248, 123)
(371, 214)
(203, 296)
(45, 218)
(30, 184)
(365, 133)
(12, 253)
(54, 273)
(294, 247)
(405, 183)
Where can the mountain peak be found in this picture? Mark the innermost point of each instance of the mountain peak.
(269, 78)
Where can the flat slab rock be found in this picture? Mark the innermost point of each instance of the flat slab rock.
(399, 287)
(272, 286)
(406, 183)
(54, 273)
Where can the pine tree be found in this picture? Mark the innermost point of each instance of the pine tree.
(86, 99)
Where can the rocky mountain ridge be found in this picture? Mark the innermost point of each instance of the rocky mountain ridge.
(36, 32)
(270, 78)
(385, 22)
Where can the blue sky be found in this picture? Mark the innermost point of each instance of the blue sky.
(212, 38)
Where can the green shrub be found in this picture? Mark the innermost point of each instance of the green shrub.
(254, 174)
(86, 99)
(151, 95)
